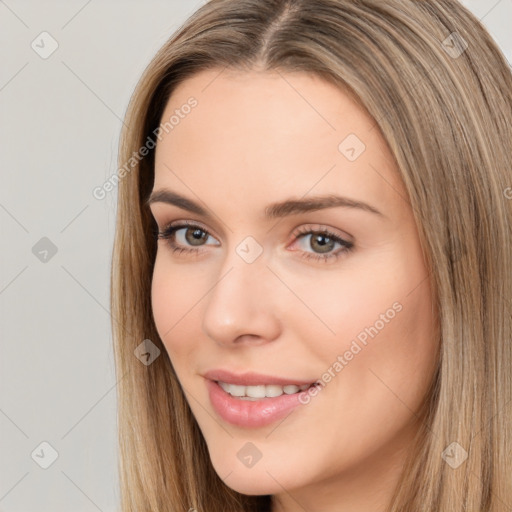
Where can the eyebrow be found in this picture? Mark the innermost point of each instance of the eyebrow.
(272, 211)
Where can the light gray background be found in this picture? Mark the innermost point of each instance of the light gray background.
(60, 119)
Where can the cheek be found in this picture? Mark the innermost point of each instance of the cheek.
(365, 297)
(173, 296)
(379, 311)
(405, 352)
(163, 301)
(385, 338)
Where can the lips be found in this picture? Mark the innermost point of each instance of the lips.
(253, 379)
(250, 414)
(259, 409)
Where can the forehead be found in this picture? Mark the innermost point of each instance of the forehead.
(289, 132)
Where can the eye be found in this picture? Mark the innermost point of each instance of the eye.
(322, 241)
(179, 236)
(187, 238)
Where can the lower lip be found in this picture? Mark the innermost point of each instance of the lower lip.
(250, 413)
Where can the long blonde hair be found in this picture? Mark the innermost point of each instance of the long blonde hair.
(440, 92)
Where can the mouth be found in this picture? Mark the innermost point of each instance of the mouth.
(261, 391)
(255, 406)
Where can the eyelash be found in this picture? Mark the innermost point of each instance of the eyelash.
(169, 231)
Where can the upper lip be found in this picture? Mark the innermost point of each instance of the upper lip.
(251, 378)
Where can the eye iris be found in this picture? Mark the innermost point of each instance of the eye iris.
(197, 236)
(325, 243)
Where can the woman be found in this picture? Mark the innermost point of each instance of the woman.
(311, 283)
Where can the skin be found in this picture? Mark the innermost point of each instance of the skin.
(253, 139)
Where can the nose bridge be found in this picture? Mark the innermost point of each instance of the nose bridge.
(240, 301)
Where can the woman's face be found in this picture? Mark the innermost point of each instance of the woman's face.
(273, 278)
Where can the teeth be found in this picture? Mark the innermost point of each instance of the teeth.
(255, 391)
(234, 389)
(262, 391)
(273, 390)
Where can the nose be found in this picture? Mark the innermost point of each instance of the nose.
(241, 306)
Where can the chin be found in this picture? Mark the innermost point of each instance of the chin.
(252, 484)
(253, 481)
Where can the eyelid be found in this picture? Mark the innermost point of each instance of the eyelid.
(347, 244)
(185, 223)
(160, 212)
(301, 229)
(306, 228)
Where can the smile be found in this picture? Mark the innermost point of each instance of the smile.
(261, 391)
(272, 402)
